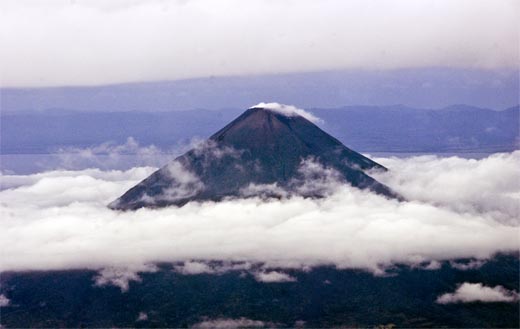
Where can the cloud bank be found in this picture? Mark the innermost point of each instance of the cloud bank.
(59, 220)
(490, 185)
(70, 43)
(477, 292)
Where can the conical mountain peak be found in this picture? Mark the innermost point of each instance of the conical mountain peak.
(267, 146)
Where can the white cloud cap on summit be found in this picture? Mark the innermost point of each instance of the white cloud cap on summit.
(287, 110)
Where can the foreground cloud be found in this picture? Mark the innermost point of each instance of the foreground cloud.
(477, 292)
(489, 186)
(59, 220)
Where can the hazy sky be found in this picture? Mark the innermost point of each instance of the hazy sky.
(47, 43)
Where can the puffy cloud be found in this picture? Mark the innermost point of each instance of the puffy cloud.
(142, 316)
(121, 276)
(489, 186)
(230, 323)
(4, 301)
(315, 179)
(183, 184)
(60, 220)
(112, 155)
(288, 110)
(209, 151)
(429, 266)
(473, 264)
(477, 292)
(69, 43)
(194, 268)
(273, 276)
(264, 190)
(64, 187)
(202, 267)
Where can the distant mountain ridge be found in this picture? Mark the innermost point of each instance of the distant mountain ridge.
(418, 87)
(458, 128)
(260, 153)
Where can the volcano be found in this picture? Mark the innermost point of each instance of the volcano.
(267, 152)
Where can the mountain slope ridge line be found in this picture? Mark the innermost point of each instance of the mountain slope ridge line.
(264, 152)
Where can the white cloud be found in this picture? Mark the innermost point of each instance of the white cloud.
(313, 179)
(477, 292)
(64, 187)
(184, 184)
(466, 266)
(230, 323)
(273, 276)
(59, 220)
(70, 43)
(264, 191)
(209, 151)
(430, 266)
(121, 276)
(288, 110)
(201, 267)
(142, 316)
(4, 301)
(316, 179)
(489, 186)
(112, 155)
(194, 268)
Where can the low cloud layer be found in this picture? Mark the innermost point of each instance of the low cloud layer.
(489, 186)
(111, 155)
(231, 323)
(477, 292)
(56, 42)
(456, 208)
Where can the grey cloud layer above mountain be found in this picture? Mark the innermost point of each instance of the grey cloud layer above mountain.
(70, 43)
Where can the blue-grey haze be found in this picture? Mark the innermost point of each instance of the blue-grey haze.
(459, 128)
(422, 88)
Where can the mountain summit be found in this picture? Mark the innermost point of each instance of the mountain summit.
(269, 151)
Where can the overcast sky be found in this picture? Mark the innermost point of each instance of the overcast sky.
(49, 43)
